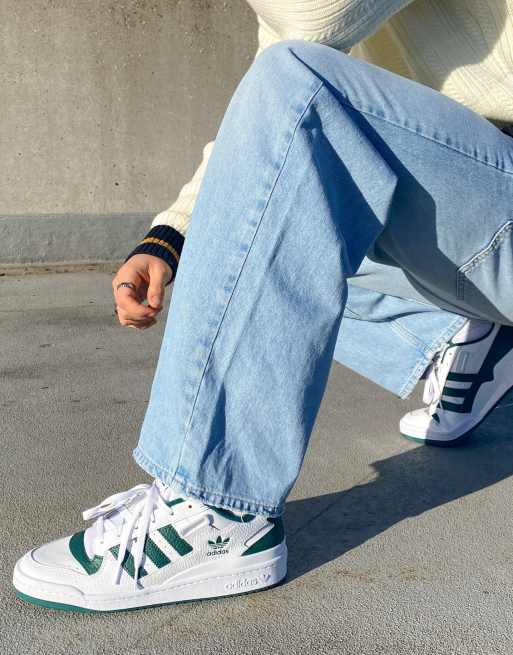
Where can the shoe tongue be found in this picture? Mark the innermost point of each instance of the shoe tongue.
(166, 492)
(471, 330)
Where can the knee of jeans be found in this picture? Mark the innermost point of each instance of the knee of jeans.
(275, 59)
(277, 75)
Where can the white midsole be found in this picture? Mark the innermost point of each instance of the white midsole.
(502, 383)
(231, 576)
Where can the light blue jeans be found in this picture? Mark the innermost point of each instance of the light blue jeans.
(325, 170)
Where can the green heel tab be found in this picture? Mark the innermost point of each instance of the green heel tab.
(272, 538)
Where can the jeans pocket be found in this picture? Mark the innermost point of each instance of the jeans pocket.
(485, 282)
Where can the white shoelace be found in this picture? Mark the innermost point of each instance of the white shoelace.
(131, 523)
(433, 389)
(434, 385)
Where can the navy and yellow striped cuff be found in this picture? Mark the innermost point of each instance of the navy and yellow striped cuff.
(162, 241)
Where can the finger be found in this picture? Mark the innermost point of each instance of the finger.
(158, 279)
(128, 302)
(128, 273)
(143, 327)
(125, 318)
(140, 325)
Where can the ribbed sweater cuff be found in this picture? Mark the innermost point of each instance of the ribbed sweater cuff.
(162, 241)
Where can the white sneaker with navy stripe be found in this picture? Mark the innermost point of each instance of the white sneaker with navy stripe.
(466, 381)
(149, 546)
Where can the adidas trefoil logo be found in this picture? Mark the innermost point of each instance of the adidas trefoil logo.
(218, 547)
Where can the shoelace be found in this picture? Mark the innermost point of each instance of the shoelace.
(434, 385)
(135, 522)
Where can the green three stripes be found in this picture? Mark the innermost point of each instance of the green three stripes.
(500, 347)
(468, 394)
(153, 552)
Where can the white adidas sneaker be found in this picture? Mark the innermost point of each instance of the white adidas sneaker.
(148, 547)
(466, 381)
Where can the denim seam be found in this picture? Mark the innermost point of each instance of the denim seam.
(408, 336)
(499, 236)
(429, 353)
(402, 332)
(420, 301)
(142, 456)
(371, 112)
(348, 310)
(414, 377)
(424, 350)
(185, 482)
(366, 109)
(308, 103)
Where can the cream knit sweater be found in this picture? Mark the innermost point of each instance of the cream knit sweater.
(463, 48)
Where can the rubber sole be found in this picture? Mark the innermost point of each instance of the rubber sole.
(203, 580)
(451, 443)
(457, 441)
(47, 604)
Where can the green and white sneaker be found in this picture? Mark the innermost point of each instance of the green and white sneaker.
(466, 381)
(149, 546)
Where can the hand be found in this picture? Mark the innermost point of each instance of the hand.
(149, 274)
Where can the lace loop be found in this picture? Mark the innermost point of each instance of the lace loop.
(435, 382)
(433, 387)
(114, 502)
(134, 527)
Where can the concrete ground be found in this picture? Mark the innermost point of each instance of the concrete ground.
(394, 548)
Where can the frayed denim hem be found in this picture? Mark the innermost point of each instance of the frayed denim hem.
(214, 498)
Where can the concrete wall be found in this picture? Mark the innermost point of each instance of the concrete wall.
(105, 108)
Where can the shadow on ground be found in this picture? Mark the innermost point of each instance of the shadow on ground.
(394, 548)
(323, 528)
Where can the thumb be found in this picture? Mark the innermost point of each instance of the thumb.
(155, 293)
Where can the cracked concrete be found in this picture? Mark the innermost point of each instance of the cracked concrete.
(394, 548)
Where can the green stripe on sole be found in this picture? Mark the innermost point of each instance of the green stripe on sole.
(84, 610)
(51, 605)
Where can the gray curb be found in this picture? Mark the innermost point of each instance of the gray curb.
(69, 238)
